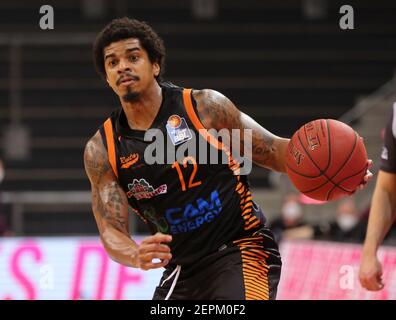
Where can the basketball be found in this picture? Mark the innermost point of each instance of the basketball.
(326, 159)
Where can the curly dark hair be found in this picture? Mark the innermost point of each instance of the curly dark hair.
(124, 28)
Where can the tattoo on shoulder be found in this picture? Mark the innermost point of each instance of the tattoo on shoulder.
(216, 111)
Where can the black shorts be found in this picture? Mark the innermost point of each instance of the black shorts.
(247, 269)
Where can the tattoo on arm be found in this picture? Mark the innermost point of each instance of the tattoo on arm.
(96, 159)
(116, 205)
(262, 147)
(108, 199)
(216, 111)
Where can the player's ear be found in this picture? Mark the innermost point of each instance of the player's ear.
(156, 69)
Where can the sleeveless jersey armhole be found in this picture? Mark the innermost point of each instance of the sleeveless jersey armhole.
(188, 105)
(108, 132)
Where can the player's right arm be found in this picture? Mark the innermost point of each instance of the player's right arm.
(382, 216)
(110, 208)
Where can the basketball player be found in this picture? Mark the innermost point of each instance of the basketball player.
(208, 232)
(382, 211)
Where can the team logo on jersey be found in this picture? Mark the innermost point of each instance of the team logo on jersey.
(129, 161)
(141, 189)
(178, 129)
(194, 215)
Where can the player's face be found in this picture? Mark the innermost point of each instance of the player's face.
(129, 70)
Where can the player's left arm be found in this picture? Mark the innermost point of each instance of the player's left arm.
(217, 112)
(268, 150)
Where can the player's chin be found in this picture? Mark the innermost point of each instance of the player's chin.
(131, 96)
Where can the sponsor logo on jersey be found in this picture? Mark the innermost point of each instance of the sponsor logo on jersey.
(178, 129)
(194, 215)
(141, 189)
(127, 162)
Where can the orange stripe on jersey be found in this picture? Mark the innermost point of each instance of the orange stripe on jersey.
(246, 199)
(241, 189)
(243, 241)
(233, 165)
(239, 186)
(255, 272)
(196, 122)
(108, 127)
(256, 224)
(246, 204)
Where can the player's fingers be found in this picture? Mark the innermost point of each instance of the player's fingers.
(366, 179)
(368, 176)
(148, 257)
(158, 238)
(380, 284)
(366, 282)
(374, 285)
(362, 186)
(370, 164)
(153, 247)
(154, 265)
(362, 279)
(372, 282)
(379, 277)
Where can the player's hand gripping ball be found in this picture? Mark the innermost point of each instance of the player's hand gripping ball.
(326, 159)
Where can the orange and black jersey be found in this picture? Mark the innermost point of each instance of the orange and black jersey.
(203, 205)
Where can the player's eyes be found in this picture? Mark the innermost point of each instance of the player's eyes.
(112, 63)
(133, 58)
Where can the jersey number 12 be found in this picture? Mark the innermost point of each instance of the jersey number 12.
(191, 182)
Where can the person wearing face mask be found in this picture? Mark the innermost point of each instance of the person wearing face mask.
(348, 226)
(290, 224)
